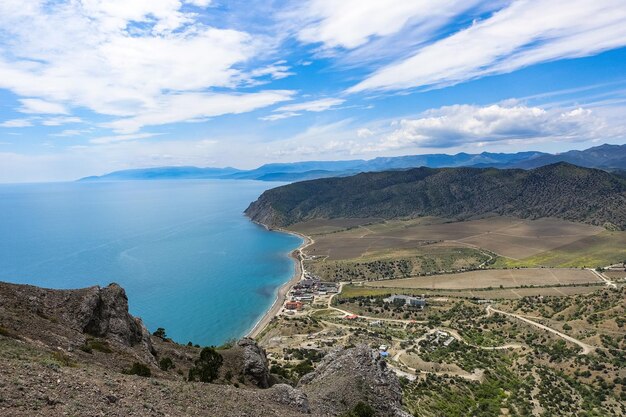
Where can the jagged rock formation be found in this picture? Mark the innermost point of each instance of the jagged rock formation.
(345, 377)
(288, 395)
(67, 318)
(103, 312)
(46, 370)
(255, 365)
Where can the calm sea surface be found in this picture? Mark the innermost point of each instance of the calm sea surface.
(189, 260)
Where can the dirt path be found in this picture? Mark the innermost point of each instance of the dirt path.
(586, 349)
(607, 281)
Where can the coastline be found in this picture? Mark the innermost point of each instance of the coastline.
(283, 290)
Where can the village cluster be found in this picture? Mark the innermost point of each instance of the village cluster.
(305, 291)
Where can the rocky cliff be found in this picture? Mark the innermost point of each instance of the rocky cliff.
(68, 352)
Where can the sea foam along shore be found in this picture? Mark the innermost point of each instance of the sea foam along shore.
(281, 294)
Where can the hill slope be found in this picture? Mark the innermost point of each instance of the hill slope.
(559, 190)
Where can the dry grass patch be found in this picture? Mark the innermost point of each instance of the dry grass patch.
(494, 278)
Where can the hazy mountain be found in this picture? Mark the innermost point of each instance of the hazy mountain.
(604, 157)
(559, 190)
(164, 173)
(608, 157)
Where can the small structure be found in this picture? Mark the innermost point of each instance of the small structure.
(351, 317)
(382, 348)
(384, 354)
(294, 305)
(405, 300)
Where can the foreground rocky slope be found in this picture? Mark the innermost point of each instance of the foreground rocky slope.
(560, 190)
(70, 352)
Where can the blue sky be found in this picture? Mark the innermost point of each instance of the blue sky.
(92, 86)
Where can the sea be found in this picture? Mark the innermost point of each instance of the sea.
(189, 259)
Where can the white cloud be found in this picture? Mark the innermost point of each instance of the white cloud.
(279, 116)
(199, 3)
(58, 121)
(364, 132)
(37, 106)
(16, 123)
(352, 23)
(458, 125)
(524, 33)
(174, 108)
(313, 106)
(121, 58)
(292, 110)
(121, 138)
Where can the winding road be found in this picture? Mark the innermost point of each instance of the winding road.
(586, 349)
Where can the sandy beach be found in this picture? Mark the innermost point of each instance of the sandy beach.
(284, 289)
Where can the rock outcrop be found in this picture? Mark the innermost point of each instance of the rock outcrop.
(346, 377)
(289, 396)
(255, 365)
(103, 312)
(66, 318)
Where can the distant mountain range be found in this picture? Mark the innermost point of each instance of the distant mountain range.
(606, 157)
(559, 190)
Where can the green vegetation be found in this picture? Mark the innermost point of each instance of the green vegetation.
(160, 332)
(98, 345)
(166, 364)
(139, 369)
(206, 367)
(603, 249)
(360, 410)
(560, 190)
(391, 264)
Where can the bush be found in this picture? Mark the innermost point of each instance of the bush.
(166, 364)
(160, 332)
(95, 344)
(139, 369)
(360, 410)
(206, 367)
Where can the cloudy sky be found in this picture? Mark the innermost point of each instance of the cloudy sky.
(91, 86)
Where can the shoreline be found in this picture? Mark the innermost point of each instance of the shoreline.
(283, 290)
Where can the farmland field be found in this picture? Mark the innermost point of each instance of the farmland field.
(494, 278)
(371, 249)
(492, 294)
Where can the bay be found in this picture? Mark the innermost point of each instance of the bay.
(190, 261)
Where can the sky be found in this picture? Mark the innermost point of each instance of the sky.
(93, 86)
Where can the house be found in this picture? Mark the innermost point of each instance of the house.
(294, 305)
(351, 317)
(405, 300)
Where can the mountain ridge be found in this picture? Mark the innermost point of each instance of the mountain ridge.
(606, 157)
(559, 190)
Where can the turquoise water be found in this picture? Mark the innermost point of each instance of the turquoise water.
(189, 260)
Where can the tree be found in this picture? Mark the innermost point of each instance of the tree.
(206, 368)
(160, 332)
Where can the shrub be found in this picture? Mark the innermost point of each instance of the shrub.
(360, 410)
(139, 369)
(206, 367)
(166, 364)
(160, 332)
(95, 344)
